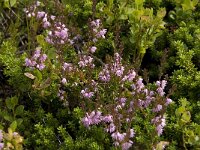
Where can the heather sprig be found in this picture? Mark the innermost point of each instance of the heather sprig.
(126, 105)
(37, 60)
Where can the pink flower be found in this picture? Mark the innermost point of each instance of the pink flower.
(158, 108)
(132, 133)
(40, 14)
(118, 136)
(107, 119)
(127, 145)
(93, 49)
(43, 58)
(168, 101)
(64, 81)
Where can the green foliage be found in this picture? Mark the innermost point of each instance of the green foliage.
(160, 35)
(12, 64)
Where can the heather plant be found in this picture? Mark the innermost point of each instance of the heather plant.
(71, 75)
(93, 88)
(123, 108)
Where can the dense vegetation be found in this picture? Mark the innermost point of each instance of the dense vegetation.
(100, 74)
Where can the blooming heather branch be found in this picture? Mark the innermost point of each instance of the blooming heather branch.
(97, 30)
(122, 109)
(37, 60)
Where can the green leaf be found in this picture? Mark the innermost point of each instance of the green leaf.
(19, 110)
(12, 2)
(8, 118)
(11, 102)
(13, 125)
(38, 74)
(6, 4)
(139, 2)
(9, 3)
(19, 121)
(179, 111)
(186, 116)
(189, 5)
(40, 40)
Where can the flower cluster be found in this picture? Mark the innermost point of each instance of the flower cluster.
(161, 86)
(67, 67)
(159, 121)
(1, 139)
(120, 137)
(96, 117)
(61, 94)
(104, 75)
(97, 30)
(86, 61)
(59, 34)
(31, 11)
(86, 93)
(115, 68)
(93, 118)
(92, 49)
(123, 107)
(57, 31)
(37, 60)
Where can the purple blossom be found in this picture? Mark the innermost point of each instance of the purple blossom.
(132, 133)
(122, 100)
(107, 119)
(120, 71)
(28, 62)
(93, 49)
(148, 101)
(118, 136)
(85, 61)
(111, 128)
(160, 123)
(168, 101)
(40, 66)
(37, 53)
(159, 129)
(86, 94)
(101, 33)
(130, 76)
(98, 32)
(92, 118)
(163, 84)
(46, 24)
(158, 108)
(86, 121)
(160, 91)
(127, 145)
(53, 17)
(37, 60)
(40, 14)
(104, 75)
(158, 83)
(1, 146)
(43, 58)
(64, 81)
(139, 85)
(96, 23)
(67, 67)
(140, 103)
(61, 94)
